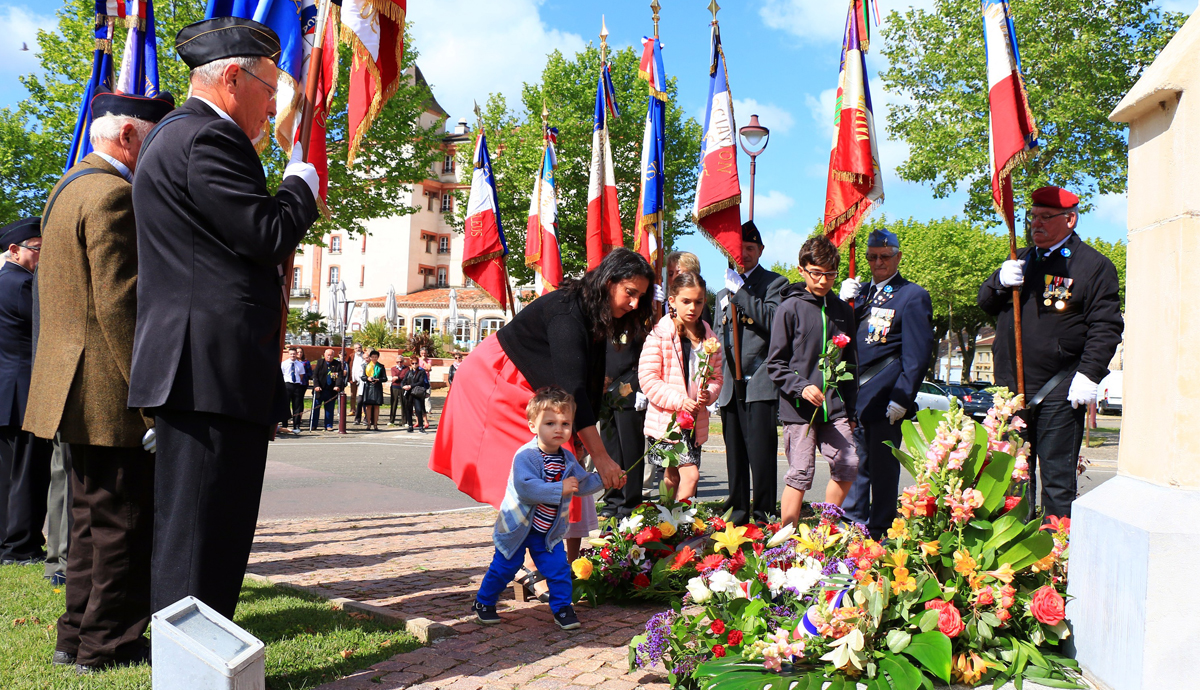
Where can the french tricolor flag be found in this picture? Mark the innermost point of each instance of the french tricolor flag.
(603, 213)
(647, 225)
(1013, 133)
(718, 191)
(484, 248)
(541, 237)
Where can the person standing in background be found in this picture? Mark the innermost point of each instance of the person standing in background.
(416, 389)
(356, 372)
(398, 372)
(294, 379)
(329, 379)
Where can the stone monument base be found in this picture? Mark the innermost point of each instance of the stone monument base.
(1135, 562)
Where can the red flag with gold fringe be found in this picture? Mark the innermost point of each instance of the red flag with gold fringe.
(375, 31)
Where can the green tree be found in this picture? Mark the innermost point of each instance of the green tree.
(398, 151)
(1079, 59)
(568, 90)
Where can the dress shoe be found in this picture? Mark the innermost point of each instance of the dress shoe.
(57, 579)
(63, 658)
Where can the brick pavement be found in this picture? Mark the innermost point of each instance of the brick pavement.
(430, 566)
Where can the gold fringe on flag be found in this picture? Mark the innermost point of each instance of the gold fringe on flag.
(386, 91)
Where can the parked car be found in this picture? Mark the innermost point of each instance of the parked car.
(1108, 396)
(975, 403)
(932, 397)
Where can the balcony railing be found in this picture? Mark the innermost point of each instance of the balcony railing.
(301, 292)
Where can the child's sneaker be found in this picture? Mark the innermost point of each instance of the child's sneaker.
(566, 619)
(488, 616)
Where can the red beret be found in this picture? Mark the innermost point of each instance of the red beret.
(1054, 197)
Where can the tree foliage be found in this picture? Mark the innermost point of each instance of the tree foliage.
(1079, 59)
(398, 151)
(568, 90)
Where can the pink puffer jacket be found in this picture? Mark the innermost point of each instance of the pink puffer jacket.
(660, 374)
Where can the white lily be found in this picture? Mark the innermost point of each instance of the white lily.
(632, 523)
(680, 515)
(845, 650)
(803, 578)
(781, 536)
(637, 553)
(724, 581)
(700, 593)
(776, 580)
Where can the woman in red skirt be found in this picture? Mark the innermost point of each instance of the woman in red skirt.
(559, 339)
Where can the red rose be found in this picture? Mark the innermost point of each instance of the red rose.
(735, 638)
(1011, 502)
(1003, 615)
(641, 581)
(985, 598)
(762, 577)
(686, 420)
(1047, 606)
(949, 621)
(717, 627)
(841, 340)
(606, 554)
(718, 651)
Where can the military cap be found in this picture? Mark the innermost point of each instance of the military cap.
(19, 231)
(1053, 197)
(883, 238)
(106, 102)
(750, 233)
(225, 37)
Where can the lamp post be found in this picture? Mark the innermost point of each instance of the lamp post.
(753, 138)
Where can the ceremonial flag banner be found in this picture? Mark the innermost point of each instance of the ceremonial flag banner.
(484, 248)
(290, 100)
(647, 239)
(1013, 132)
(718, 192)
(541, 232)
(316, 150)
(108, 13)
(603, 214)
(139, 64)
(855, 181)
(375, 29)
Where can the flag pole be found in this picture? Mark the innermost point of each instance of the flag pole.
(662, 212)
(1016, 294)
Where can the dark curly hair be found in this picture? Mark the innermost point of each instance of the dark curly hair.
(592, 292)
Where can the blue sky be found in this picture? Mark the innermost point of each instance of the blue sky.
(782, 59)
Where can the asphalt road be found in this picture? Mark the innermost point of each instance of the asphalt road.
(373, 473)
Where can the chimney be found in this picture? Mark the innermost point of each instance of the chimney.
(461, 127)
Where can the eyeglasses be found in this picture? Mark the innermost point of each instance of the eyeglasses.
(830, 275)
(872, 258)
(30, 248)
(274, 90)
(1044, 217)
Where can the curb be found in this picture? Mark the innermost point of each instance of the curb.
(423, 629)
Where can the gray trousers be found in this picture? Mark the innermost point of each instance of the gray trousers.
(58, 505)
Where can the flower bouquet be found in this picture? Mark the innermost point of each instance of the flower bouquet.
(961, 589)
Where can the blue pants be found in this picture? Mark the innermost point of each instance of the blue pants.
(552, 564)
(872, 497)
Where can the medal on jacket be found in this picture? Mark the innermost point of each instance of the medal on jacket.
(1057, 292)
(878, 324)
(882, 296)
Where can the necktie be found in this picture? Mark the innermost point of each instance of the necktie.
(870, 293)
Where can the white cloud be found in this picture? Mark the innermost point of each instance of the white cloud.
(1185, 6)
(22, 27)
(821, 109)
(815, 21)
(771, 116)
(780, 245)
(770, 205)
(484, 46)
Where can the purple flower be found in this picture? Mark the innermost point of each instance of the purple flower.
(658, 633)
(829, 511)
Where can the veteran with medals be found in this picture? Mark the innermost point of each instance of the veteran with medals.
(1071, 325)
(210, 239)
(895, 343)
(749, 408)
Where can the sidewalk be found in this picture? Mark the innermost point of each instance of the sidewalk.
(430, 566)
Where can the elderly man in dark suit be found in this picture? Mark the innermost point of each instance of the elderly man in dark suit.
(895, 342)
(24, 459)
(87, 288)
(748, 407)
(211, 238)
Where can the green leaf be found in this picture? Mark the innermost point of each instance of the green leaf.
(932, 650)
(917, 447)
(993, 482)
(931, 590)
(897, 640)
(633, 644)
(1028, 551)
(929, 419)
(928, 620)
(902, 674)
(1006, 528)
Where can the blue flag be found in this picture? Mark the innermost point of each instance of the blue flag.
(139, 64)
(102, 75)
(283, 16)
(647, 229)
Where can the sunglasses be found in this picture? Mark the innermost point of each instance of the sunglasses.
(1044, 217)
(872, 258)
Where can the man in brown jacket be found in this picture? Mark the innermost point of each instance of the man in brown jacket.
(87, 288)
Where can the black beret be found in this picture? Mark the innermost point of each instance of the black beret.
(19, 231)
(750, 233)
(145, 108)
(225, 37)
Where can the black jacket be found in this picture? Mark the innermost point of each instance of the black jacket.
(803, 324)
(549, 343)
(416, 376)
(334, 371)
(621, 367)
(756, 303)
(898, 320)
(1081, 336)
(16, 341)
(210, 239)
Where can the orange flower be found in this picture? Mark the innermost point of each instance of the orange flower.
(1004, 573)
(685, 556)
(902, 581)
(969, 668)
(963, 563)
(931, 548)
(898, 530)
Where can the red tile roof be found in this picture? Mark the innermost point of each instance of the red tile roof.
(436, 297)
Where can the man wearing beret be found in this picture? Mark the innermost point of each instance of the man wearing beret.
(211, 238)
(895, 342)
(1070, 327)
(24, 459)
(87, 303)
(749, 406)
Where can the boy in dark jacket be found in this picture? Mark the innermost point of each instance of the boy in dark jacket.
(814, 411)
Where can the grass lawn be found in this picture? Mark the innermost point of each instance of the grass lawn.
(308, 642)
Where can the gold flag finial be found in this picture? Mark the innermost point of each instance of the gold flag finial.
(603, 40)
(655, 7)
(478, 116)
(714, 8)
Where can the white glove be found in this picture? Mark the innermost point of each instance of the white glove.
(305, 171)
(1083, 391)
(660, 295)
(640, 401)
(895, 412)
(733, 281)
(149, 441)
(850, 288)
(1012, 273)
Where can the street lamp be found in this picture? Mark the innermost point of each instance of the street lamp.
(754, 138)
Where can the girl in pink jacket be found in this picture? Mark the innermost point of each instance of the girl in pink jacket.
(669, 371)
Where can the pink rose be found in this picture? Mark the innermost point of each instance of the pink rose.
(949, 621)
(841, 340)
(1047, 606)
